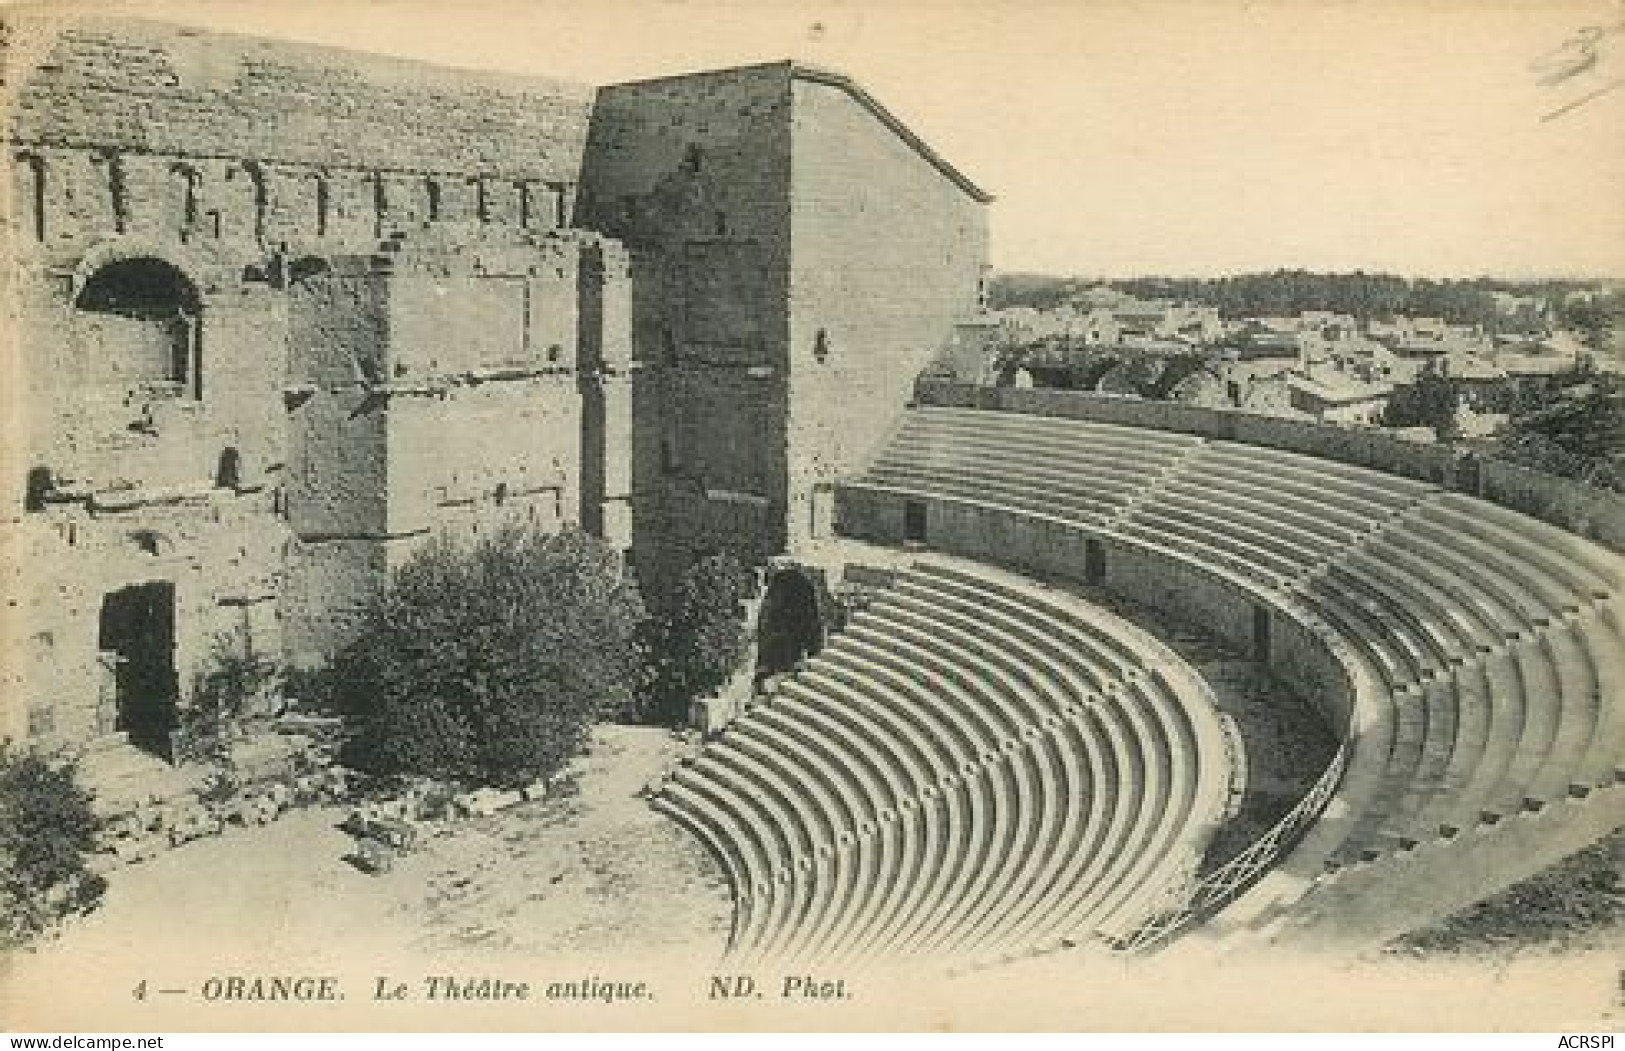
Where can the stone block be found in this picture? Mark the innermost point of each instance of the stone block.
(710, 714)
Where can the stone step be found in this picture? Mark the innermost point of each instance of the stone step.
(105, 743)
(114, 763)
(121, 777)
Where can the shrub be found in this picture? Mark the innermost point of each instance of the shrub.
(46, 828)
(1432, 401)
(1573, 425)
(487, 663)
(222, 697)
(700, 641)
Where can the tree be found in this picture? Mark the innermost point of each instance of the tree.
(1593, 321)
(1431, 401)
(700, 641)
(487, 663)
(223, 697)
(1176, 370)
(46, 829)
(1572, 425)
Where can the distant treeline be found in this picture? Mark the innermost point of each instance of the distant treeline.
(1289, 292)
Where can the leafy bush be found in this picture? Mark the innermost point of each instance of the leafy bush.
(487, 663)
(1570, 424)
(46, 828)
(700, 641)
(223, 697)
(1431, 401)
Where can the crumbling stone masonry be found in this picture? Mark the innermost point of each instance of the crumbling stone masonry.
(276, 313)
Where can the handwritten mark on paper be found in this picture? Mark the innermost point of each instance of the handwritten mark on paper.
(1579, 63)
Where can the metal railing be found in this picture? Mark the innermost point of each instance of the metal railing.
(1227, 883)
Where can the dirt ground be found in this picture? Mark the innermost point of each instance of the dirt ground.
(1576, 905)
(595, 887)
(588, 876)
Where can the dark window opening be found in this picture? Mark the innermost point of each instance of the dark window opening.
(380, 203)
(117, 198)
(432, 188)
(189, 207)
(1467, 474)
(914, 522)
(1094, 561)
(523, 189)
(482, 206)
(554, 353)
(36, 191)
(692, 159)
(137, 626)
(561, 205)
(719, 222)
(500, 494)
(324, 204)
(821, 347)
(256, 175)
(1261, 633)
(40, 485)
(228, 473)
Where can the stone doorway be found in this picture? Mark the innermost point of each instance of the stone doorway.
(138, 628)
(789, 626)
(913, 523)
(1094, 561)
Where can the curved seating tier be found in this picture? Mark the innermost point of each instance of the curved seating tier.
(976, 767)
(1493, 640)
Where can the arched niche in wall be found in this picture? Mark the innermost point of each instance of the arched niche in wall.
(790, 626)
(228, 470)
(140, 318)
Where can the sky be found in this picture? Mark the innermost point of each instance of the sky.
(1128, 137)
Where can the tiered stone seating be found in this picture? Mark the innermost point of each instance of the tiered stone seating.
(1493, 641)
(1075, 469)
(1267, 513)
(1603, 639)
(974, 768)
(1481, 637)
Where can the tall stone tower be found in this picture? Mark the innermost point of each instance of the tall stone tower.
(798, 257)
